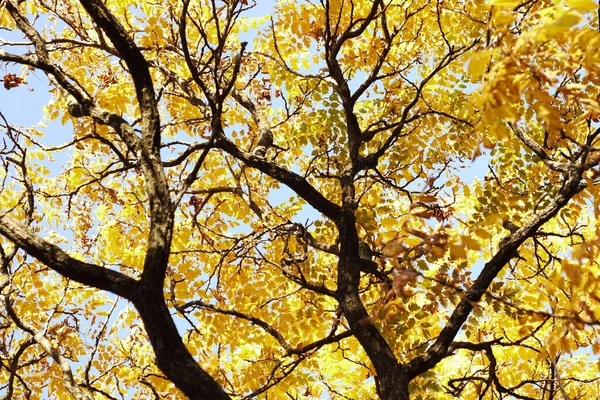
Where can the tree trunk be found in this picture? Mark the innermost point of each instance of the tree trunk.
(172, 357)
(393, 386)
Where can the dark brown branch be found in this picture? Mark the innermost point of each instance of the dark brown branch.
(61, 262)
(161, 224)
(506, 252)
(136, 63)
(188, 58)
(537, 149)
(442, 64)
(350, 34)
(291, 179)
(253, 320)
(172, 357)
(216, 129)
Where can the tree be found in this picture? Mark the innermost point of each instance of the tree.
(150, 254)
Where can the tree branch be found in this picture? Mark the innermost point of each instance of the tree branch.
(492, 268)
(61, 361)
(294, 181)
(137, 64)
(55, 258)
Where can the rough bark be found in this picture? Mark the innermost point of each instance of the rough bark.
(172, 357)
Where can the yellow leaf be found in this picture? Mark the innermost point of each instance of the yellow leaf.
(488, 143)
(482, 233)
(573, 272)
(457, 252)
(412, 241)
(504, 4)
(101, 211)
(388, 222)
(568, 344)
(478, 64)
(504, 18)
(563, 23)
(470, 243)
(569, 19)
(437, 251)
(393, 248)
(582, 5)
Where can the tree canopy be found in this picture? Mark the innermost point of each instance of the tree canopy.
(278, 200)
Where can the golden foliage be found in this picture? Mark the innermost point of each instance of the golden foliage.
(381, 114)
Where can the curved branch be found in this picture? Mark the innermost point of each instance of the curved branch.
(61, 361)
(55, 258)
(253, 320)
(507, 250)
(137, 64)
(172, 357)
(537, 149)
(294, 181)
(216, 130)
(188, 58)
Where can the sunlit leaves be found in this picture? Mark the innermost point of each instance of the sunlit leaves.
(479, 63)
(449, 103)
(582, 5)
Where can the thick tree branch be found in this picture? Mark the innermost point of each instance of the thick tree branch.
(79, 104)
(389, 372)
(506, 252)
(55, 258)
(171, 354)
(537, 149)
(363, 23)
(266, 135)
(172, 357)
(294, 181)
(137, 64)
(161, 211)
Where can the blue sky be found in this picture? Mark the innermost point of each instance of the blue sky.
(23, 106)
